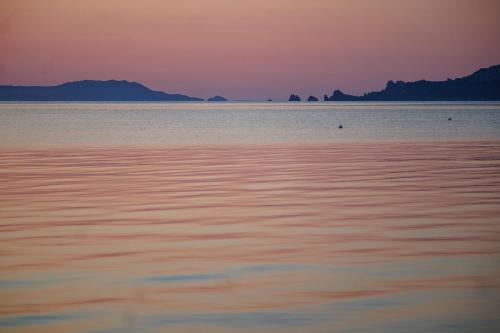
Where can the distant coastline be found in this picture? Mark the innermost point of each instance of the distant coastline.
(90, 90)
(482, 85)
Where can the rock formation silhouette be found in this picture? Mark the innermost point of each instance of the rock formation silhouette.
(482, 85)
(217, 99)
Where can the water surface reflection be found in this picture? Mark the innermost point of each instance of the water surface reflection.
(297, 238)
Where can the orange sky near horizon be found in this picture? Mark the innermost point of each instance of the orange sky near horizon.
(252, 50)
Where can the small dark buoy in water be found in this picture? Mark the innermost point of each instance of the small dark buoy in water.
(340, 126)
(449, 119)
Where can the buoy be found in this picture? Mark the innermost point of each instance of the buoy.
(449, 119)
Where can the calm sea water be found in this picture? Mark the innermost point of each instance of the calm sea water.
(96, 124)
(249, 218)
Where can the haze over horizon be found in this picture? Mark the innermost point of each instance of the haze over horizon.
(250, 50)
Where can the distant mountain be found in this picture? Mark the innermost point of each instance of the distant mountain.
(482, 85)
(89, 90)
(312, 99)
(294, 98)
(217, 99)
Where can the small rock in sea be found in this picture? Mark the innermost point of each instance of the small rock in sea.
(341, 126)
(217, 99)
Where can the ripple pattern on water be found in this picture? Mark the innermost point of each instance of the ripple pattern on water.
(251, 238)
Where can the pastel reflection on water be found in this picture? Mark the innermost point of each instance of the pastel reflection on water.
(244, 238)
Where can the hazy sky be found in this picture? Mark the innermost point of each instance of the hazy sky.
(247, 49)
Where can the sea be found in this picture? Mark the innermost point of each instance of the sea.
(249, 217)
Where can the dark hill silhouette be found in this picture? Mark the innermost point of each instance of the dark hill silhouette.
(482, 85)
(294, 98)
(217, 99)
(89, 90)
(312, 99)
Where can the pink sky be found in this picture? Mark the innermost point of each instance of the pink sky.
(255, 49)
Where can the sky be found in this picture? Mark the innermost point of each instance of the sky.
(247, 49)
